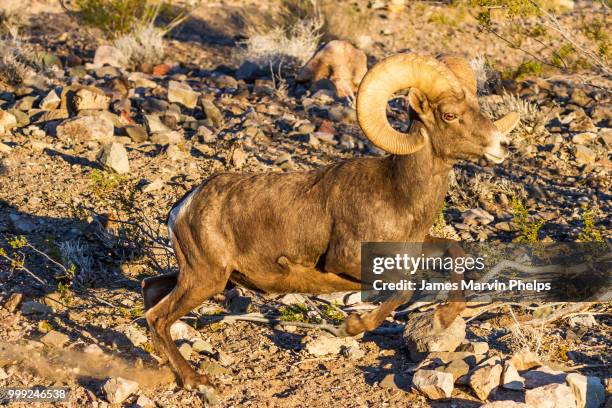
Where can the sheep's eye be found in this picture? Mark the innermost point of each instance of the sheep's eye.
(449, 117)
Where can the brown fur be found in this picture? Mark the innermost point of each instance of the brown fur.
(302, 231)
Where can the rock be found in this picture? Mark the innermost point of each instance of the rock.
(580, 122)
(144, 402)
(113, 156)
(31, 308)
(51, 101)
(202, 346)
(525, 360)
(582, 321)
(155, 124)
(135, 335)
(424, 334)
(117, 389)
(182, 331)
(433, 384)
(584, 155)
(26, 103)
(457, 368)
(4, 148)
(511, 380)
(7, 122)
(182, 93)
(21, 224)
(476, 347)
(485, 379)
(13, 302)
(504, 404)
(213, 114)
(395, 382)
(98, 128)
(543, 376)
(239, 304)
(88, 98)
(224, 81)
(580, 98)
(109, 55)
(589, 391)
(170, 137)
(239, 157)
(137, 133)
(551, 396)
(584, 138)
(185, 350)
(205, 135)
(324, 345)
(153, 186)
(54, 339)
(292, 299)
(175, 153)
(3, 374)
(477, 216)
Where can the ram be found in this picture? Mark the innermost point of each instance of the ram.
(301, 231)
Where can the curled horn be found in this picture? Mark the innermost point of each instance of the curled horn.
(390, 75)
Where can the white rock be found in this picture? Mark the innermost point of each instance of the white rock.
(109, 55)
(114, 156)
(551, 396)
(3, 374)
(118, 389)
(582, 320)
(525, 359)
(96, 128)
(182, 331)
(324, 345)
(55, 339)
(202, 346)
(5, 148)
(433, 384)
(134, 334)
(292, 299)
(182, 93)
(144, 402)
(543, 376)
(589, 391)
(93, 349)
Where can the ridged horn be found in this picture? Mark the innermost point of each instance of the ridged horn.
(507, 122)
(390, 75)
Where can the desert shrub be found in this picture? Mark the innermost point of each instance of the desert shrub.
(17, 61)
(118, 17)
(528, 229)
(11, 13)
(143, 45)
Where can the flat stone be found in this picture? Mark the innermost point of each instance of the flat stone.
(543, 376)
(433, 384)
(239, 157)
(144, 402)
(168, 137)
(457, 368)
(202, 346)
(97, 128)
(584, 138)
(31, 308)
(213, 114)
(182, 93)
(475, 347)
(182, 331)
(525, 359)
(137, 133)
(54, 339)
(51, 101)
(584, 155)
(134, 334)
(185, 350)
(89, 98)
(551, 396)
(113, 156)
(117, 389)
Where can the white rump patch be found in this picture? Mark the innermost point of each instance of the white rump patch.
(178, 211)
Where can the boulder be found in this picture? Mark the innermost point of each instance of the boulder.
(525, 360)
(324, 345)
(51, 101)
(589, 391)
(511, 380)
(551, 396)
(54, 339)
(433, 384)
(7, 121)
(485, 379)
(98, 128)
(543, 376)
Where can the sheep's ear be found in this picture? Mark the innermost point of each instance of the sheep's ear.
(418, 101)
(507, 123)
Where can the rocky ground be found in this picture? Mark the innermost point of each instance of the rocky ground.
(93, 155)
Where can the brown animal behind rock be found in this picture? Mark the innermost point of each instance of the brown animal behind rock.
(339, 61)
(302, 231)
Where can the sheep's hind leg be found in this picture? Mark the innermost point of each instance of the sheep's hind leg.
(155, 289)
(187, 294)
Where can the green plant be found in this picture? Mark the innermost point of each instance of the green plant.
(132, 312)
(527, 68)
(589, 232)
(332, 313)
(528, 230)
(103, 182)
(294, 313)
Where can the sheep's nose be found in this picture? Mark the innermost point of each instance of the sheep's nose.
(504, 142)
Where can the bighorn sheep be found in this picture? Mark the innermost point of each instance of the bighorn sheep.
(340, 62)
(301, 231)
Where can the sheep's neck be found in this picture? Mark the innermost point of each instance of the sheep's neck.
(420, 179)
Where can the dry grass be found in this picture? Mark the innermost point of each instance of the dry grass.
(471, 192)
(11, 13)
(144, 45)
(76, 253)
(532, 118)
